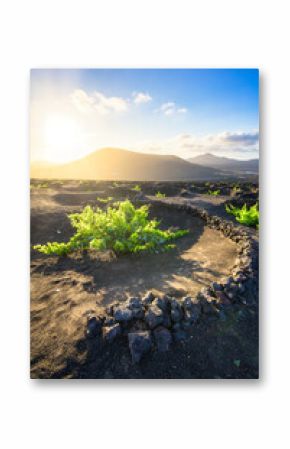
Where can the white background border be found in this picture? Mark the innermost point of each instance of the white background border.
(171, 414)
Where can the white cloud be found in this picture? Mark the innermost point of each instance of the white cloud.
(232, 144)
(181, 110)
(82, 101)
(170, 108)
(141, 97)
(97, 102)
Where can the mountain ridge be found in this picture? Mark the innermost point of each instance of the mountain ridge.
(225, 163)
(120, 164)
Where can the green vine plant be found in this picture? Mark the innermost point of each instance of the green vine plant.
(160, 195)
(244, 215)
(105, 200)
(122, 228)
(236, 189)
(214, 192)
(39, 186)
(136, 188)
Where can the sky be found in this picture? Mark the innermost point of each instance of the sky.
(185, 112)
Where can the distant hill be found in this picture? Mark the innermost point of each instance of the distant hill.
(118, 164)
(223, 163)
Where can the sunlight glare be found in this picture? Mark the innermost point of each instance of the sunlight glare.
(60, 131)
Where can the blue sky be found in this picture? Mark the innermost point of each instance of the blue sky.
(164, 111)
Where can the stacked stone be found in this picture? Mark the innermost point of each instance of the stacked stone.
(155, 322)
(148, 322)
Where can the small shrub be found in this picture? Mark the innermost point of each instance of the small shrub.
(105, 200)
(236, 189)
(136, 188)
(160, 195)
(214, 192)
(122, 228)
(39, 186)
(248, 216)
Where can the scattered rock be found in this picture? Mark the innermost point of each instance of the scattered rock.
(176, 315)
(208, 308)
(222, 298)
(109, 321)
(139, 344)
(137, 313)
(216, 287)
(123, 314)
(94, 326)
(148, 298)
(163, 338)
(138, 325)
(192, 315)
(162, 302)
(192, 309)
(187, 302)
(111, 332)
(135, 302)
(154, 316)
(166, 320)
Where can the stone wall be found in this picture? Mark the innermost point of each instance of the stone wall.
(155, 322)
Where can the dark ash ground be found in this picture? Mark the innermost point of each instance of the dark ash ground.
(65, 290)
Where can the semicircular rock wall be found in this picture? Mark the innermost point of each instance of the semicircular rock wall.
(154, 323)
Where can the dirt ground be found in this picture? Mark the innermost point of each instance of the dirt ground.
(65, 290)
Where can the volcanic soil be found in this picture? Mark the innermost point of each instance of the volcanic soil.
(64, 290)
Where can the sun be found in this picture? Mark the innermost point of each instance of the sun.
(60, 132)
(61, 138)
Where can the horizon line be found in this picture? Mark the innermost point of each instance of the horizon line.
(46, 161)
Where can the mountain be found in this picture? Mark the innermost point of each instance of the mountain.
(250, 166)
(118, 164)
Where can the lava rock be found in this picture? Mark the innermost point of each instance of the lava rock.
(208, 308)
(135, 302)
(192, 309)
(148, 298)
(154, 316)
(187, 302)
(137, 325)
(94, 326)
(192, 315)
(162, 302)
(139, 344)
(222, 298)
(109, 321)
(123, 314)
(176, 311)
(216, 287)
(167, 320)
(111, 332)
(229, 294)
(163, 338)
(110, 309)
(137, 312)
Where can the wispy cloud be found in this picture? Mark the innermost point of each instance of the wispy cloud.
(170, 108)
(235, 144)
(141, 97)
(225, 141)
(97, 102)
